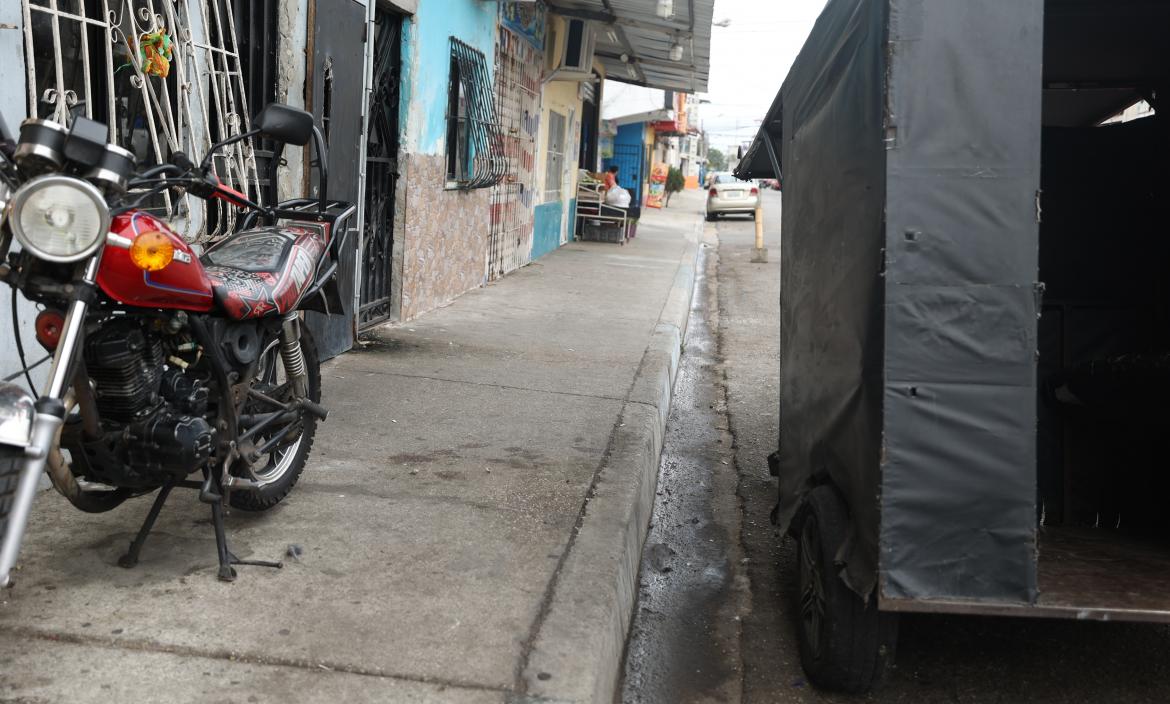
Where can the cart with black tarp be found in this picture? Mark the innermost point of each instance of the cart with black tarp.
(975, 317)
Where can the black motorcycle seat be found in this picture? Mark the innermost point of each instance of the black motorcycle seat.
(265, 271)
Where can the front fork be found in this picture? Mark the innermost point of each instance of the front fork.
(50, 414)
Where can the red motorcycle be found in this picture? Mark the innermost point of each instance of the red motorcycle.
(170, 369)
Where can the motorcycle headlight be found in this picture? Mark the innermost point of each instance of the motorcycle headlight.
(59, 218)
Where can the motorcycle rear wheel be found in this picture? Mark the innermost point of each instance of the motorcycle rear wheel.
(285, 465)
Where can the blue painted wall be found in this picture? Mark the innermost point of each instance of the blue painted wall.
(426, 64)
(546, 230)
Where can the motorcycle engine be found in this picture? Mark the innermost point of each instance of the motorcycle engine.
(153, 413)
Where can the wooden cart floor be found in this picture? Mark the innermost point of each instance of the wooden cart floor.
(1102, 570)
(1083, 573)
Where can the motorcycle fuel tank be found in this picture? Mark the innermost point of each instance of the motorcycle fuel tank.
(182, 284)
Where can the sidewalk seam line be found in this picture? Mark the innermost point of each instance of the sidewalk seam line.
(492, 386)
(146, 646)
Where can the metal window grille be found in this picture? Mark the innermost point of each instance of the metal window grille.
(259, 43)
(83, 58)
(513, 199)
(474, 146)
(554, 165)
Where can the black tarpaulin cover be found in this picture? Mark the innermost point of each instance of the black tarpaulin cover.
(910, 150)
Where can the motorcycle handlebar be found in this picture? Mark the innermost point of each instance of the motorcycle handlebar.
(160, 170)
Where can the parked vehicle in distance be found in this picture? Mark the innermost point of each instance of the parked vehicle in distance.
(728, 194)
(772, 183)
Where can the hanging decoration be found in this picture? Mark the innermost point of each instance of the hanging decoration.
(154, 53)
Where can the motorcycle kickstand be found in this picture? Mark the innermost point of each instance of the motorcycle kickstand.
(227, 573)
(130, 559)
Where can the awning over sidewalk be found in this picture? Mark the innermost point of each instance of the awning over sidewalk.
(650, 116)
(635, 43)
(762, 159)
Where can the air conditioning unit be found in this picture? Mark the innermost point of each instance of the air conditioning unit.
(570, 50)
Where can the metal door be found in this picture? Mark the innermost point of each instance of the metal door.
(381, 172)
(631, 160)
(336, 103)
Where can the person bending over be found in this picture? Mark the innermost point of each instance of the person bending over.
(611, 177)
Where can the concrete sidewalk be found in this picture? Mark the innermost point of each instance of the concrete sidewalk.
(471, 519)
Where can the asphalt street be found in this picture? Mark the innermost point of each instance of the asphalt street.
(939, 659)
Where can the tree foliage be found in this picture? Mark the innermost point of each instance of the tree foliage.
(716, 160)
(675, 182)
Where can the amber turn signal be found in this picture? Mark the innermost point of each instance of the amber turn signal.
(152, 251)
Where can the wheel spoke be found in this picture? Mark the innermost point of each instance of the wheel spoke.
(270, 389)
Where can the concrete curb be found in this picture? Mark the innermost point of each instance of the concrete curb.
(576, 655)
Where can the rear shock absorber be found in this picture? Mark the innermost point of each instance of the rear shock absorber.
(292, 355)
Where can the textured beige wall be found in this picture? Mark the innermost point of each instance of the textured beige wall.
(443, 238)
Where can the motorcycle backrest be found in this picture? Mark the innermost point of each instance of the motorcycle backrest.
(285, 124)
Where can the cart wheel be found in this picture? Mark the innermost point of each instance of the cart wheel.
(846, 644)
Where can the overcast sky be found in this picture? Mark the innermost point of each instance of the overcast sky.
(749, 60)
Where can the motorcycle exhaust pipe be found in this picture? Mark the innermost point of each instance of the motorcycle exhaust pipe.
(60, 473)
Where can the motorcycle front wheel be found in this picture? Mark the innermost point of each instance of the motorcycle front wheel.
(11, 462)
(279, 470)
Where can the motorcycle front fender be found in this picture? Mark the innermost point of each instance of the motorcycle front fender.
(16, 415)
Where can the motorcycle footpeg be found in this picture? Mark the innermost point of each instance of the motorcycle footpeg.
(237, 483)
(314, 409)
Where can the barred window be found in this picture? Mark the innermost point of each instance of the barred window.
(554, 165)
(475, 151)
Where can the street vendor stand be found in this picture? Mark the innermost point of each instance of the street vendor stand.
(975, 317)
(598, 220)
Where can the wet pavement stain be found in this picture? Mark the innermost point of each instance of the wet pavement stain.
(684, 640)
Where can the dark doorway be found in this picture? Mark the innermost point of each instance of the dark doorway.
(590, 121)
(258, 43)
(336, 100)
(376, 304)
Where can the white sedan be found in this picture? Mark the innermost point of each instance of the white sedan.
(728, 194)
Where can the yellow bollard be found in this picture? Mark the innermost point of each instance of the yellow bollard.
(760, 255)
